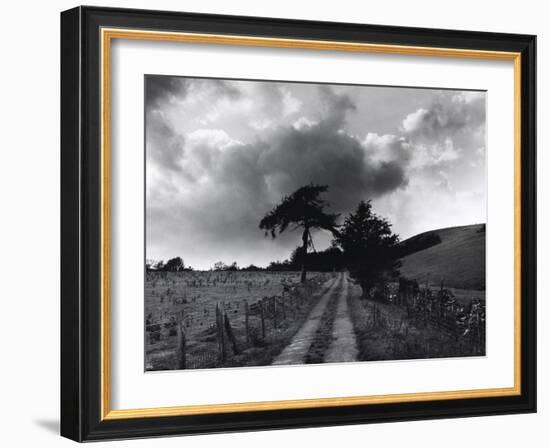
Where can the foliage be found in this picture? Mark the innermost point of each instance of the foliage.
(302, 209)
(328, 260)
(252, 268)
(369, 247)
(221, 266)
(281, 266)
(174, 265)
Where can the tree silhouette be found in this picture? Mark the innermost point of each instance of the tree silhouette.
(370, 247)
(302, 209)
(174, 265)
(221, 266)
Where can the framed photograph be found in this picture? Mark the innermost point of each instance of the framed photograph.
(272, 224)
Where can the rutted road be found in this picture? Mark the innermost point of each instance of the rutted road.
(296, 351)
(343, 343)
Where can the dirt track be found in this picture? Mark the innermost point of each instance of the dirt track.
(344, 345)
(340, 338)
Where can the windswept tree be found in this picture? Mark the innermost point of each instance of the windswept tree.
(370, 248)
(304, 210)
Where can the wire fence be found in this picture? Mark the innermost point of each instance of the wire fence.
(213, 333)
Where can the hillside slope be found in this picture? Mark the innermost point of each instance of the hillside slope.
(458, 260)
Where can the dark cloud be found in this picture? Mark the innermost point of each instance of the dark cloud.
(160, 89)
(165, 147)
(165, 89)
(321, 154)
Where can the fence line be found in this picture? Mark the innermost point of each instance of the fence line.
(442, 310)
(229, 327)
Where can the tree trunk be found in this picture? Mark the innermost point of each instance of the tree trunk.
(305, 236)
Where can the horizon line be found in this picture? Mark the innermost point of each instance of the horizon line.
(287, 259)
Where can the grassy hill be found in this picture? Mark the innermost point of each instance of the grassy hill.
(455, 255)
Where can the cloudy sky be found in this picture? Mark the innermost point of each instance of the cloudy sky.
(222, 153)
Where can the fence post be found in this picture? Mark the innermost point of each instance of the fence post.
(262, 315)
(220, 332)
(217, 322)
(181, 342)
(275, 311)
(246, 322)
(230, 334)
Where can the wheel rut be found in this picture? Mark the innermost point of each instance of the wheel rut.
(343, 347)
(297, 350)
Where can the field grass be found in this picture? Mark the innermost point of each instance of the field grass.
(385, 331)
(458, 260)
(197, 293)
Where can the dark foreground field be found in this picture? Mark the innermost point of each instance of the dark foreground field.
(230, 319)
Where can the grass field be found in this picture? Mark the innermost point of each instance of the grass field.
(458, 260)
(198, 293)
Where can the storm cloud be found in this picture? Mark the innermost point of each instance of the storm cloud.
(160, 89)
(220, 154)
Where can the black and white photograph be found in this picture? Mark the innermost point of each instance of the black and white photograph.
(306, 223)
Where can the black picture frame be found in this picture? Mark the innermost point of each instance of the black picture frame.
(81, 224)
